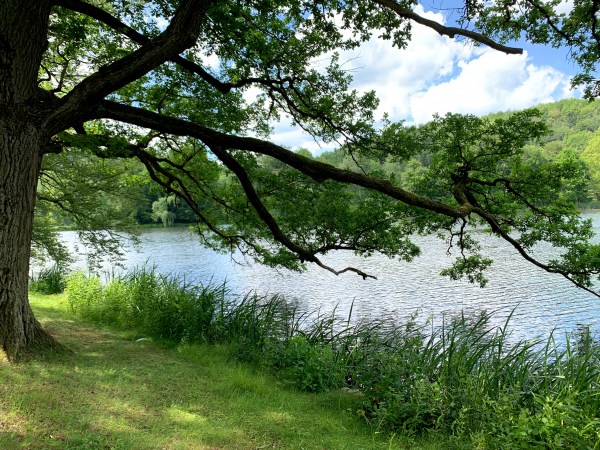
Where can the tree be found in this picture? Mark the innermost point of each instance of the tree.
(135, 80)
(571, 24)
(575, 187)
(591, 156)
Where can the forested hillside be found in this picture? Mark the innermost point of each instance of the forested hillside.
(575, 124)
(574, 134)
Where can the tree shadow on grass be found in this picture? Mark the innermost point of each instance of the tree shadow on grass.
(118, 393)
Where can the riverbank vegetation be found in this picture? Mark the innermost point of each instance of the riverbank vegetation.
(461, 379)
(117, 392)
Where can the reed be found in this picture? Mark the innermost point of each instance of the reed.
(50, 280)
(463, 377)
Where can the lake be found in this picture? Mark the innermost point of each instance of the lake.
(541, 301)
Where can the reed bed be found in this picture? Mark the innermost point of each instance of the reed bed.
(49, 280)
(462, 378)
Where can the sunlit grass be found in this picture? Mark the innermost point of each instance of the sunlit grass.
(116, 393)
(462, 378)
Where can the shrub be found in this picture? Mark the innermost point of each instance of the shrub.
(50, 280)
(310, 367)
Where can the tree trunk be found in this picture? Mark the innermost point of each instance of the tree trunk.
(20, 333)
(23, 27)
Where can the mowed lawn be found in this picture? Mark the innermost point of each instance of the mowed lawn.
(118, 392)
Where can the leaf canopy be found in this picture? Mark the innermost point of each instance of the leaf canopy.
(190, 90)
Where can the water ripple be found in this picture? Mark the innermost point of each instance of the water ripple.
(541, 302)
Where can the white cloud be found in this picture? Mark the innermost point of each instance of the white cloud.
(397, 74)
(565, 7)
(435, 74)
(488, 83)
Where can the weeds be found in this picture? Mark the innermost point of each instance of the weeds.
(462, 378)
(50, 280)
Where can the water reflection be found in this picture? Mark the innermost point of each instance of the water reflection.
(542, 301)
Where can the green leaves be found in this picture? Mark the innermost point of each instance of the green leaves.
(472, 267)
(97, 197)
(549, 22)
(258, 61)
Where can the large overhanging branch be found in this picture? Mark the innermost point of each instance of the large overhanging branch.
(451, 32)
(173, 184)
(278, 85)
(182, 33)
(317, 170)
(224, 87)
(304, 254)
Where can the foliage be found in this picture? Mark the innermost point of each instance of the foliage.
(591, 156)
(50, 280)
(96, 197)
(168, 210)
(462, 378)
(573, 126)
(46, 245)
(284, 208)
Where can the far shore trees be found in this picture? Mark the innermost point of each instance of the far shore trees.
(190, 88)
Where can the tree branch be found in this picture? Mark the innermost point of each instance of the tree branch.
(114, 23)
(317, 170)
(182, 33)
(496, 228)
(451, 32)
(550, 22)
(119, 26)
(305, 255)
(510, 188)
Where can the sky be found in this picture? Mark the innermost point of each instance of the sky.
(436, 74)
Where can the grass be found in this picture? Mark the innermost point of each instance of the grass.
(461, 379)
(50, 280)
(117, 393)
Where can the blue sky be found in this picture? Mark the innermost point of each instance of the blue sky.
(435, 74)
(541, 54)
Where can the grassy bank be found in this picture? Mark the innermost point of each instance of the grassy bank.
(199, 368)
(117, 393)
(461, 379)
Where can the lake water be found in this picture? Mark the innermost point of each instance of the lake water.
(541, 302)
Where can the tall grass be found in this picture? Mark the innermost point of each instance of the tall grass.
(463, 378)
(50, 280)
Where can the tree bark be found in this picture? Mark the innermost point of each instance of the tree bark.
(20, 333)
(23, 26)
